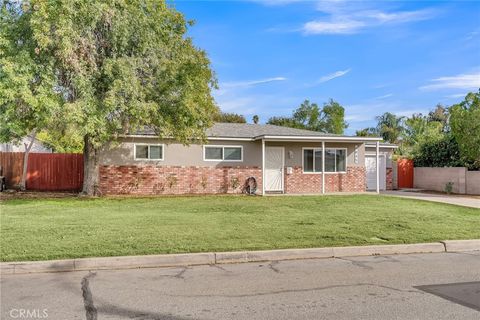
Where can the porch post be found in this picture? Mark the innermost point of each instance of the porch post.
(263, 167)
(323, 166)
(377, 162)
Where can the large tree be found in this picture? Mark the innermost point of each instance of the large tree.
(308, 116)
(333, 118)
(465, 126)
(121, 66)
(29, 100)
(329, 119)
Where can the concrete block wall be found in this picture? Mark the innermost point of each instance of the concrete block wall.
(473, 182)
(464, 181)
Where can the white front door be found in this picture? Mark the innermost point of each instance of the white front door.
(274, 158)
(370, 164)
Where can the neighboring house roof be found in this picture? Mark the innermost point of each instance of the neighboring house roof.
(261, 131)
(37, 147)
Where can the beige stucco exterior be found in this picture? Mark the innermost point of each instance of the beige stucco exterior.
(177, 154)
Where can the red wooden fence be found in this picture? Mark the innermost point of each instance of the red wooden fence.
(12, 167)
(405, 173)
(55, 171)
(45, 171)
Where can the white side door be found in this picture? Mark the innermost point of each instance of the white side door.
(274, 163)
(370, 165)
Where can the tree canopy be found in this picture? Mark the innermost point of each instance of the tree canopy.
(116, 67)
(329, 119)
(465, 126)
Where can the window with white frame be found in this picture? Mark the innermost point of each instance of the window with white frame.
(223, 153)
(148, 152)
(335, 160)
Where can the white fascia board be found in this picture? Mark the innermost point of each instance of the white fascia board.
(319, 138)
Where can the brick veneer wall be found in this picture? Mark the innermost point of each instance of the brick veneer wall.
(148, 180)
(352, 181)
(389, 183)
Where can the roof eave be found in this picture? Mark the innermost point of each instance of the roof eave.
(317, 138)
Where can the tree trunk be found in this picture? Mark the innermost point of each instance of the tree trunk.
(28, 147)
(90, 168)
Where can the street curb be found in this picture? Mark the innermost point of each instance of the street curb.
(209, 258)
(461, 245)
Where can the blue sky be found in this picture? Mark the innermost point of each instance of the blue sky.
(372, 57)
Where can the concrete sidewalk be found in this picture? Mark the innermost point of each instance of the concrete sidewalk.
(443, 198)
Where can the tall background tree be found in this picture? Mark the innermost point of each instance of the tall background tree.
(390, 127)
(118, 67)
(333, 118)
(465, 126)
(255, 119)
(329, 119)
(229, 117)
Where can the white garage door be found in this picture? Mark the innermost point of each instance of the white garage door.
(371, 172)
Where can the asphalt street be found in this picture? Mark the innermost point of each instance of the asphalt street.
(376, 287)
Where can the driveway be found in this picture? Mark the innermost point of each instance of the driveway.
(375, 287)
(451, 199)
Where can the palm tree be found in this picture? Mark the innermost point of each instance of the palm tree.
(390, 127)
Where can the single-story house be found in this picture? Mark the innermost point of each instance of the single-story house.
(280, 159)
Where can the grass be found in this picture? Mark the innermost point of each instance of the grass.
(68, 228)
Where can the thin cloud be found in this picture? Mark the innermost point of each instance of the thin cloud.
(332, 27)
(383, 97)
(251, 82)
(456, 96)
(399, 17)
(332, 76)
(349, 17)
(461, 81)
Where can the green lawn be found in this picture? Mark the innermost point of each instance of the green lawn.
(67, 228)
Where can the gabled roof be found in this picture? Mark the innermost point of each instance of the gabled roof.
(247, 131)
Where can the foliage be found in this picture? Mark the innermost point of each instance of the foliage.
(367, 132)
(449, 187)
(118, 67)
(333, 115)
(329, 119)
(255, 119)
(439, 153)
(285, 122)
(465, 126)
(390, 127)
(439, 114)
(229, 117)
(64, 141)
(307, 115)
(419, 130)
(28, 99)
